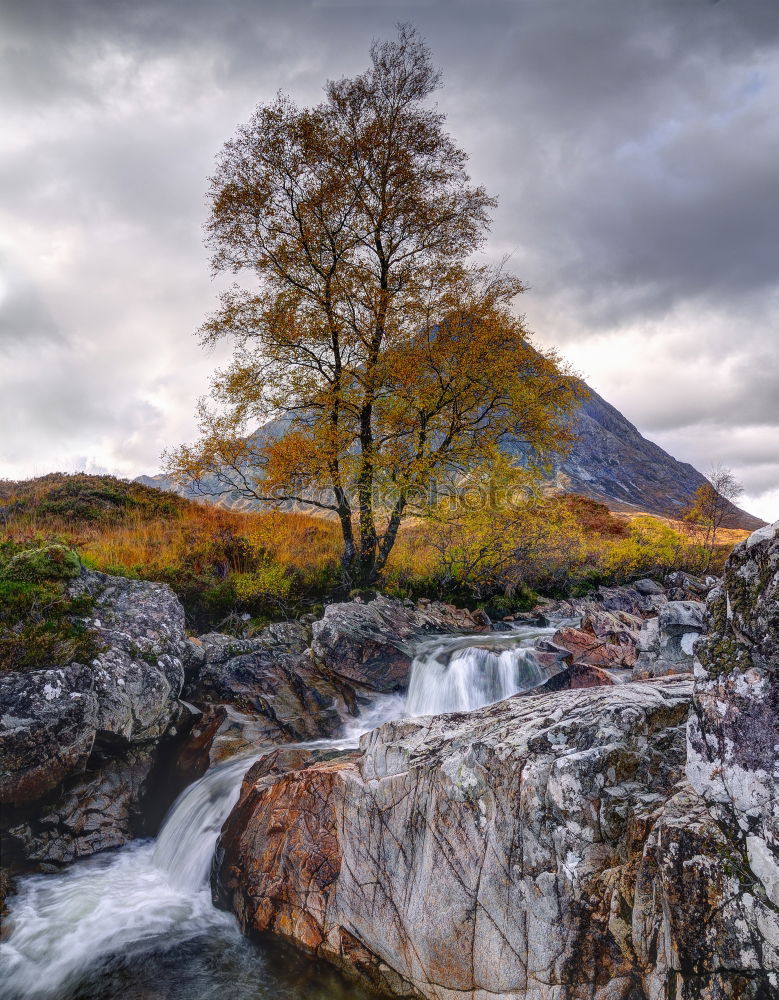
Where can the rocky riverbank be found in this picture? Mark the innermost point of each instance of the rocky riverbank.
(79, 743)
(610, 833)
(93, 753)
(616, 843)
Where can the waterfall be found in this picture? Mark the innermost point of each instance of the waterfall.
(67, 932)
(145, 895)
(121, 902)
(465, 673)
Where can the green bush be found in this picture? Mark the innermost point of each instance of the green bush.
(500, 605)
(50, 562)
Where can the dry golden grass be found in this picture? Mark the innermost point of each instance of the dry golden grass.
(275, 563)
(726, 537)
(302, 542)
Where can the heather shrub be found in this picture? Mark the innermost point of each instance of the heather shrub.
(41, 626)
(49, 562)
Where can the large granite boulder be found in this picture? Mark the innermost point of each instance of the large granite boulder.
(66, 732)
(666, 643)
(733, 736)
(47, 729)
(371, 645)
(493, 852)
(608, 843)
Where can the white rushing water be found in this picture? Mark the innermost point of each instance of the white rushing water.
(148, 894)
(123, 901)
(460, 674)
(155, 896)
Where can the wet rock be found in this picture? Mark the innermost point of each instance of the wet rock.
(552, 657)
(281, 687)
(94, 812)
(502, 626)
(666, 644)
(100, 720)
(221, 732)
(588, 648)
(576, 675)
(263, 690)
(371, 645)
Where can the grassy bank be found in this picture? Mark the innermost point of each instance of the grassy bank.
(274, 565)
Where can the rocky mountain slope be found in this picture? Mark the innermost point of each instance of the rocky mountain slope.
(610, 462)
(613, 463)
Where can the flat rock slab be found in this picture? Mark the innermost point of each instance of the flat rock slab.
(468, 854)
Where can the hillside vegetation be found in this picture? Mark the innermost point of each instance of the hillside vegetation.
(230, 568)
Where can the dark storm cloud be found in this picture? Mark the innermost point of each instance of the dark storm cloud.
(632, 145)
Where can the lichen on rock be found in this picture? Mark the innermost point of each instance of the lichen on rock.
(605, 842)
(733, 737)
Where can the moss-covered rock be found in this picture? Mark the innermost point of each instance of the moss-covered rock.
(50, 562)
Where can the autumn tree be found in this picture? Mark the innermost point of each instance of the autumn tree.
(711, 508)
(381, 360)
(502, 531)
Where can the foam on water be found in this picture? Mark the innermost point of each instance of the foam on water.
(145, 895)
(460, 674)
(151, 897)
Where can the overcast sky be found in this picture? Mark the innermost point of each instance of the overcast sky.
(633, 146)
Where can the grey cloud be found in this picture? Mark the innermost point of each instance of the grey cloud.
(750, 398)
(24, 315)
(632, 145)
(761, 480)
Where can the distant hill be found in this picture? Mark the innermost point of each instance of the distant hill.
(80, 496)
(611, 461)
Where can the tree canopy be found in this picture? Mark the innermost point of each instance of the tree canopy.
(389, 362)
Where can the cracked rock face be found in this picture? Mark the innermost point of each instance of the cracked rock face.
(57, 724)
(611, 843)
(733, 735)
(666, 644)
(97, 811)
(493, 852)
(268, 689)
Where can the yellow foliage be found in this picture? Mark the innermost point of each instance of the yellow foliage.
(650, 547)
(388, 357)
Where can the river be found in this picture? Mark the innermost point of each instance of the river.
(138, 923)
